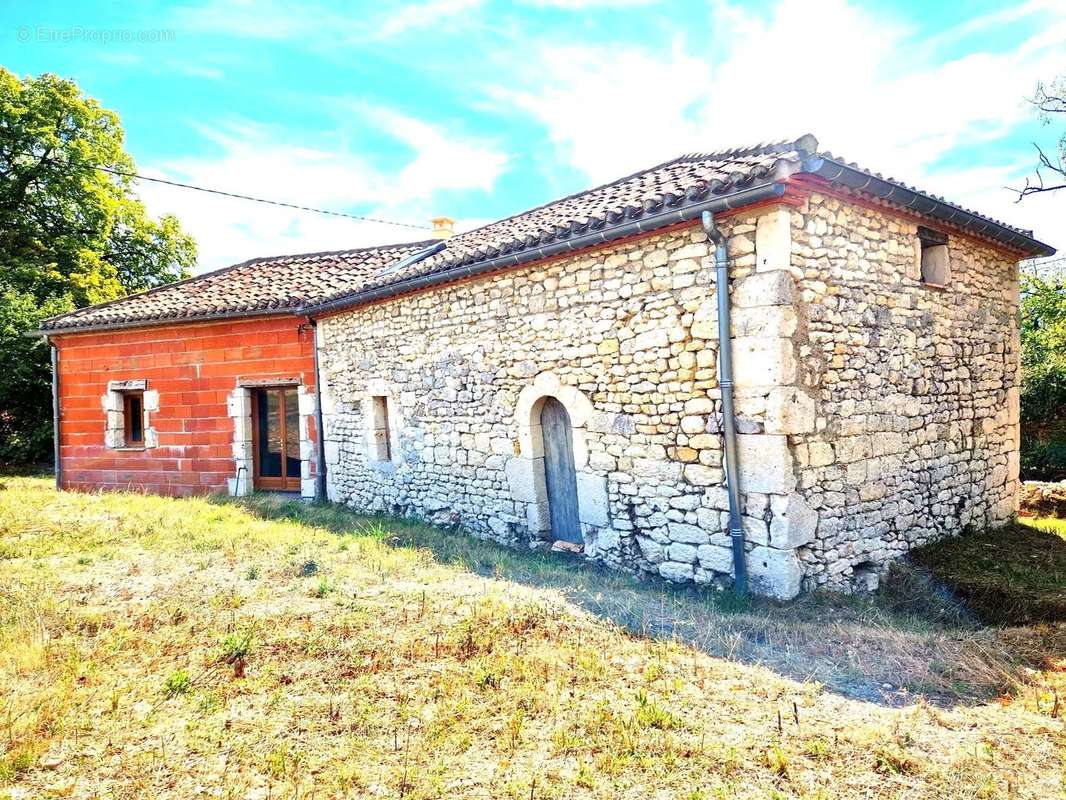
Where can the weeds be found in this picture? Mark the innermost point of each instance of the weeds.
(891, 759)
(177, 683)
(235, 649)
(451, 667)
(651, 715)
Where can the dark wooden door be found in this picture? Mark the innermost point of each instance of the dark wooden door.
(276, 438)
(559, 473)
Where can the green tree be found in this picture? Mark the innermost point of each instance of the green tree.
(72, 233)
(1044, 378)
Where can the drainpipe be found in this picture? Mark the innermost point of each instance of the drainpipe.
(320, 478)
(55, 411)
(725, 382)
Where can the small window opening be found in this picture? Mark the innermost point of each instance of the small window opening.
(936, 266)
(133, 418)
(379, 428)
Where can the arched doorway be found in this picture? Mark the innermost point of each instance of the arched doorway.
(560, 474)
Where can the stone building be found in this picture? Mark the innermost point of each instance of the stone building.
(554, 377)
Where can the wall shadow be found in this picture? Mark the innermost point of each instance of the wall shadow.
(912, 641)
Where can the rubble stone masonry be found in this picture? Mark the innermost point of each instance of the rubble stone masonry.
(874, 412)
(916, 388)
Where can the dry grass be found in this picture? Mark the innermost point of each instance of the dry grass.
(160, 648)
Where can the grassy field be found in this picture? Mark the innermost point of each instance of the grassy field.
(157, 648)
(1015, 579)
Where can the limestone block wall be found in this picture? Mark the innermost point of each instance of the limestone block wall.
(874, 412)
(916, 388)
(626, 338)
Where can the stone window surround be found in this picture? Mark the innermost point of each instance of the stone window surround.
(525, 472)
(115, 411)
(381, 443)
(239, 409)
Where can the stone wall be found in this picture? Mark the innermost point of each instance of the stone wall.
(625, 338)
(916, 389)
(874, 412)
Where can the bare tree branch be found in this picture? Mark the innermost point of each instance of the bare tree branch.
(1048, 100)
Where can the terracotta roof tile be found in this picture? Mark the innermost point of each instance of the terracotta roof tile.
(294, 283)
(279, 283)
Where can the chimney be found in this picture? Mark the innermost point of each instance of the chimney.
(442, 227)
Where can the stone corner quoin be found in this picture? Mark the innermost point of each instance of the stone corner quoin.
(874, 413)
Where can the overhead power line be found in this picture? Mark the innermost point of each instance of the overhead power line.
(238, 196)
(259, 199)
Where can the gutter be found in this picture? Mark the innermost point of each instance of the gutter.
(55, 412)
(651, 222)
(155, 323)
(725, 383)
(850, 177)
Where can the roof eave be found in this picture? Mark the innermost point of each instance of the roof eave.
(850, 177)
(295, 311)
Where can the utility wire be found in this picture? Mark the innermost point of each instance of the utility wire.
(259, 199)
(237, 196)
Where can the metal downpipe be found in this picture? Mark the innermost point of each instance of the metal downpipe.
(55, 412)
(320, 433)
(725, 383)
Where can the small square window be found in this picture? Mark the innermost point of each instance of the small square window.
(936, 263)
(133, 418)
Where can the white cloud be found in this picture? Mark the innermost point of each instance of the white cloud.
(611, 110)
(258, 19)
(441, 161)
(860, 82)
(254, 161)
(579, 5)
(316, 25)
(423, 15)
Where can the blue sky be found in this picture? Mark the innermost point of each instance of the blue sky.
(478, 109)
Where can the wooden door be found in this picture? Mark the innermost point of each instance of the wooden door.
(276, 438)
(559, 473)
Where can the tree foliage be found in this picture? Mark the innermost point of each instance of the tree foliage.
(1043, 350)
(72, 233)
(1044, 379)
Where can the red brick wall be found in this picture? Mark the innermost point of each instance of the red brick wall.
(194, 367)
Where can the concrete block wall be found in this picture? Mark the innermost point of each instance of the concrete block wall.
(195, 439)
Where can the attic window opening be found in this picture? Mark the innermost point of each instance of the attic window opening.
(935, 260)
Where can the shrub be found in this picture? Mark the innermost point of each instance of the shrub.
(235, 650)
(177, 683)
(1043, 460)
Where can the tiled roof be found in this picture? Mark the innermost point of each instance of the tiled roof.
(303, 282)
(257, 286)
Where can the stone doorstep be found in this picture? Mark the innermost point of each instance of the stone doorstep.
(559, 546)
